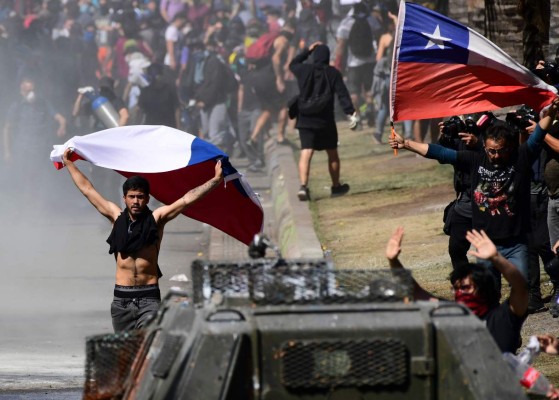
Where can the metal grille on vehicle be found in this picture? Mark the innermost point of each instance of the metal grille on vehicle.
(298, 283)
(109, 360)
(328, 364)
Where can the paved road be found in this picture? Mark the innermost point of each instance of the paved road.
(57, 284)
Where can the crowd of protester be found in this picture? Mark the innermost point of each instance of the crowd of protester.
(184, 64)
(220, 70)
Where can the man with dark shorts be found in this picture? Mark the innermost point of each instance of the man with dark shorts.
(271, 87)
(135, 241)
(318, 131)
(359, 68)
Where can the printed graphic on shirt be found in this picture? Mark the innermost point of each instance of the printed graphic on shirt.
(494, 192)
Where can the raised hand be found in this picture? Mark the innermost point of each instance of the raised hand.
(485, 248)
(394, 245)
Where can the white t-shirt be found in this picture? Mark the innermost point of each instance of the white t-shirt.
(171, 34)
(343, 33)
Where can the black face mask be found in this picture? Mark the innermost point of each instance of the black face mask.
(104, 10)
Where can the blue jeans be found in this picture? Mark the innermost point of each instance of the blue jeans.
(516, 251)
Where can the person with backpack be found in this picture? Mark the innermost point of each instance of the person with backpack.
(269, 55)
(318, 82)
(356, 44)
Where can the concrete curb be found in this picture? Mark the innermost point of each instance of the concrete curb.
(293, 222)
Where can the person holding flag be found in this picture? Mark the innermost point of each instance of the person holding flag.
(135, 240)
(441, 68)
(500, 183)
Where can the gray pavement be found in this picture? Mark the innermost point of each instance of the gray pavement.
(59, 277)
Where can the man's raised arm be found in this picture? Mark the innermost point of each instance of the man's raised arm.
(108, 209)
(393, 249)
(433, 151)
(398, 142)
(167, 213)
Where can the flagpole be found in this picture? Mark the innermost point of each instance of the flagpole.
(393, 70)
(393, 135)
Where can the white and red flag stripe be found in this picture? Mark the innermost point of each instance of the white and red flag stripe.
(174, 162)
(442, 68)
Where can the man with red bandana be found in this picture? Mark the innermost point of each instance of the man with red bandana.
(474, 286)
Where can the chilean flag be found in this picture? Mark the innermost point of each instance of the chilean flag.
(442, 68)
(174, 162)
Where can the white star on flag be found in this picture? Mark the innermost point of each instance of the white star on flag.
(435, 39)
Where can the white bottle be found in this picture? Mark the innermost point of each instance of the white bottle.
(530, 352)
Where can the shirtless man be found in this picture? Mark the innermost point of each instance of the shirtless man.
(135, 241)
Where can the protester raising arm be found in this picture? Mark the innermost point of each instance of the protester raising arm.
(300, 58)
(448, 156)
(393, 249)
(486, 249)
(105, 207)
(434, 151)
(166, 213)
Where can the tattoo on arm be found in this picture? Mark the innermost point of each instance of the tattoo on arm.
(200, 191)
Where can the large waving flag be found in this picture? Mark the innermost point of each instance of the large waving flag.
(442, 68)
(174, 162)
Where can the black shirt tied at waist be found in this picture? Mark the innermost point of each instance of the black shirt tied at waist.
(129, 237)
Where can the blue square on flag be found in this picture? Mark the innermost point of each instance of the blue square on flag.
(429, 37)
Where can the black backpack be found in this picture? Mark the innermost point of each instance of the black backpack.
(360, 40)
(316, 93)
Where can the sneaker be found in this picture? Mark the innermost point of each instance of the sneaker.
(303, 194)
(339, 190)
(377, 138)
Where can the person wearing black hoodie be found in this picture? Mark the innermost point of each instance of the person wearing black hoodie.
(318, 130)
(159, 100)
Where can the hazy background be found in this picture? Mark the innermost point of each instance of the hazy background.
(56, 274)
(57, 277)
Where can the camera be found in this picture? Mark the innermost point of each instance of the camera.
(549, 73)
(454, 126)
(521, 118)
(471, 125)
